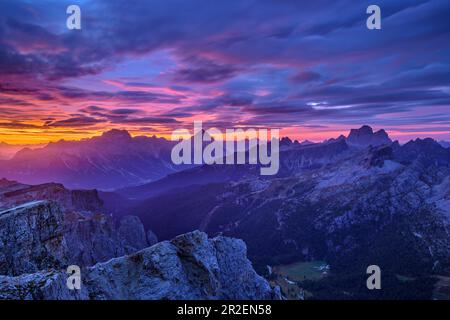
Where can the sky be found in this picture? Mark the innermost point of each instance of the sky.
(310, 68)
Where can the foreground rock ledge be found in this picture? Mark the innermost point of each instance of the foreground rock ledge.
(191, 266)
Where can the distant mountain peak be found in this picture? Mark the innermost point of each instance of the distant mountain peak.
(445, 144)
(112, 160)
(306, 142)
(428, 143)
(285, 141)
(428, 150)
(364, 130)
(116, 134)
(365, 136)
(331, 140)
(427, 140)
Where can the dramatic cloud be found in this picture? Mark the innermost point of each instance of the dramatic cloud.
(81, 121)
(203, 71)
(155, 66)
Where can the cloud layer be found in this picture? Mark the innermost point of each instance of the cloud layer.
(310, 68)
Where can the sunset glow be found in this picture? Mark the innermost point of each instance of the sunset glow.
(162, 69)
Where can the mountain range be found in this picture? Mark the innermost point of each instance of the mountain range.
(293, 156)
(116, 160)
(7, 151)
(110, 161)
(46, 228)
(352, 201)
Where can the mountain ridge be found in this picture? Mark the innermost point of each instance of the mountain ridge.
(387, 205)
(39, 239)
(106, 162)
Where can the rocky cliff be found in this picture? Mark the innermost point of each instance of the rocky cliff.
(13, 194)
(40, 234)
(39, 239)
(191, 266)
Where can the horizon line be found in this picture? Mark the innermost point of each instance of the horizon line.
(167, 137)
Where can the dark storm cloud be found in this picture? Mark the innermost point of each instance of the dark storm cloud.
(79, 121)
(203, 71)
(115, 115)
(122, 96)
(306, 76)
(17, 125)
(147, 120)
(125, 111)
(13, 102)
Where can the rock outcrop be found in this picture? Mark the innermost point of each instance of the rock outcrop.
(39, 286)
(151, 237)
(41, 234)
(46, 228)
(31, 238)
(191, 266)
(13, 194)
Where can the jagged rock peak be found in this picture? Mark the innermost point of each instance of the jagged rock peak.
(365, 136)
(363, 131)
(40, 235)
(191, 266)
(306, 142)
(285, 141)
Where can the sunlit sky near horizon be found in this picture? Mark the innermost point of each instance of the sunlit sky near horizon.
(310, 68)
